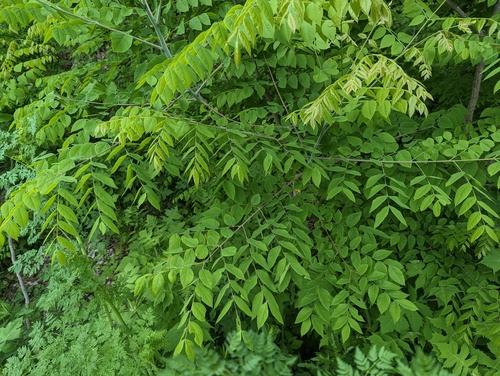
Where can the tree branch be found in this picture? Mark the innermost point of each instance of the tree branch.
(478, 73)
(456, 8)
(19, 277)
(93, 22)
(476, 87)
(154, 21)
(497, 8)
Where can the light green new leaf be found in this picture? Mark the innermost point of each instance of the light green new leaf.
(262, 315)
(21, 216)
(381, 254)
(461, 362)
(120, 42)
(186, 276)
(67, 213)
(235, 271)
(369, 108)
(255, 200)
(473, 220)
(494, 168)
(346, 333)
(157, 283)
(66, 243)
(10, 332)
(422, 191)
(68, 228)
(417, 20)
(395, 311)
(377, 202)
(140, 284)
(180, 346)
(195, 329)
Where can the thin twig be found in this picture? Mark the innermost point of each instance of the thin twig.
(102, 103)
(236, 131)
(19, 277)
(93, 22)
(386, 161)
(276, 88)
(18, 274)
(209, 77)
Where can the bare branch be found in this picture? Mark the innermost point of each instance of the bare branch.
(496, 9)
(456, 8)
(19, 276)
(478, 73)
(476, 86)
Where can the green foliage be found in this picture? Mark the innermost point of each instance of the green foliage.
(247, 354)
(254, 354)
(9, 333)
(306, 168)
(77, 334)
(382, 362)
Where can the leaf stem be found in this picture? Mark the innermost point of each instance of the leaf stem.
(383, 161)
(156, 26)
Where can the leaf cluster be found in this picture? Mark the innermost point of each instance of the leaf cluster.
(285, 166)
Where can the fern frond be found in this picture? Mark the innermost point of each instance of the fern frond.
(345, 369)
(422, 365)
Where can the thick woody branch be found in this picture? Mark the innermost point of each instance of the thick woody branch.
(476, 87)
(497, 8)
(456, 8)
(478, 73)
